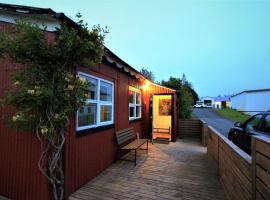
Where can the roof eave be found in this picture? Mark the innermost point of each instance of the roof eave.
(118, 62)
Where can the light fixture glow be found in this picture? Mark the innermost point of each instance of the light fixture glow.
(146, 85)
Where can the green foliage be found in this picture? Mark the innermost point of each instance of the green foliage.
(194, 94)
(148, 74)
(174, 83)
(186, 93)
(189, 88)
(47, 89)
(186, 102)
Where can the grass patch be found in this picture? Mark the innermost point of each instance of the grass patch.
(233, 115)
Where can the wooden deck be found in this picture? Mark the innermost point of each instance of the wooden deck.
(179, 170)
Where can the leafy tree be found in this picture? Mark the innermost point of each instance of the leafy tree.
(47, 90)
(148, 74)
(186, 93)
(184, 79)
(185, 103)
(174, 83)
(190, 88)
(193, 93)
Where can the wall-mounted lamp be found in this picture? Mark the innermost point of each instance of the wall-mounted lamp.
(146, 85)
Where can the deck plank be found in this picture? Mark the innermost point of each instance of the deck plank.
(179, 170)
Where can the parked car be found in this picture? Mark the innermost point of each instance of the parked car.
(199, 104)
(241, 133)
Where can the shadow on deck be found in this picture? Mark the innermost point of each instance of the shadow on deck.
(179, 170)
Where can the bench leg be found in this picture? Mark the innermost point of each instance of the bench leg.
(117, 154)
(135, 160)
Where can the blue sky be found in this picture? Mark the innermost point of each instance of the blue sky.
(223, 47)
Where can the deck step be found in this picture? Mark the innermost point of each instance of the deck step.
(162, 140)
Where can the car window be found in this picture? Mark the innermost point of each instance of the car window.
(265, 127)
(253, 123)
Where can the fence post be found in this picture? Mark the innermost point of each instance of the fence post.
(204, 133)
(253, 166)
(260, 167)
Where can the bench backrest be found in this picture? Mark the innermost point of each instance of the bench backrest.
(124, 136)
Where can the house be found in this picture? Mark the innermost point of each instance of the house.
(216, 102)
(208, 101)
(132, 101)
(251, 101)
(222, 102)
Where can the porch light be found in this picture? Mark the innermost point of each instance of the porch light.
(146, 85)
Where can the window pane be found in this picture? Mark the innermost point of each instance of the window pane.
(138, 98)
(138, 111)
(105, 113)
(253, 123)
(92, 88)
(131, 111)
(131, 96)
(105, 91)
(87, 115)
(266, 125)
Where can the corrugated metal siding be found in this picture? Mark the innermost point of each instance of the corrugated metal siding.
(19, 154)
(19, 151)
(85, 156)
(88, 155)
(156, 89)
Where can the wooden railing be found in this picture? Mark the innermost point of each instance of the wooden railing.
(190, 128)
(193, 128)
(233, 165)
(261, 168)
(243, 177)
(204, 135)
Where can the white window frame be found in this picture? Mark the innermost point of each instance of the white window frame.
(99, 103)
(136, 91)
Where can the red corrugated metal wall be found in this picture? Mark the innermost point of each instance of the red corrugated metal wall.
(20, 177)
(156, 89)
(19, 153)
(88, 155)
(85, 156)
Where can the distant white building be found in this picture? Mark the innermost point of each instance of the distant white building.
(251, 101)
(222, 102)
(208, 101)
(216, 102)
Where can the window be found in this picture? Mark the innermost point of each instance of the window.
(253, 123)
(98, 110)
(265, 127)
(135, 103)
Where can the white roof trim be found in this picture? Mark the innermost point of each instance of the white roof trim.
(41, 20)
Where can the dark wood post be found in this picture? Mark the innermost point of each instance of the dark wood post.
(135, 161)
(204, 131)
(253, 166)
(260, 167)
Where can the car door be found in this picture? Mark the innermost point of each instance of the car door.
(250, 128)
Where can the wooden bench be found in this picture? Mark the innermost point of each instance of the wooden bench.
(163, 135)
(127, 141)
(162, 130)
